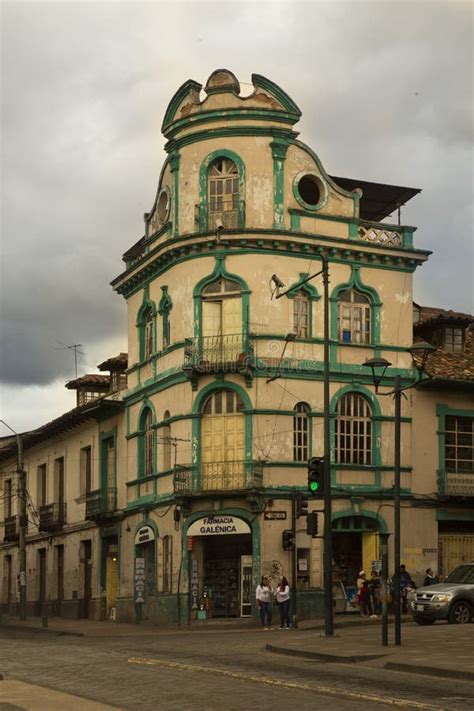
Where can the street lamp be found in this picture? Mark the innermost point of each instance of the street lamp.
(419, 353)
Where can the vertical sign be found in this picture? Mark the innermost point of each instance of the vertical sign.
(194, 585)
(139, 580)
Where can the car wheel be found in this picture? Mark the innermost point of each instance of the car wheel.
(423, 621)
(460, 613)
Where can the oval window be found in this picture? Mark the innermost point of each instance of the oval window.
(163, 206)
(309, 189)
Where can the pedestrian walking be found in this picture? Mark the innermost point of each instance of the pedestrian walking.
(374, 594)
(406, 584)
(430, 578)
(264, 596)
(283, 600)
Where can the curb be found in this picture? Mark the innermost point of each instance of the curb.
(42, 630)
(430, 671)
(340, 658)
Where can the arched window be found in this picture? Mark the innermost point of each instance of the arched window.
(354, 317)
(353, 430)
(146, 444)
(222, 441)
(146, 345)
(223, 194)
(166, 443)
(301, 432)
(301, 311)
(221, 321)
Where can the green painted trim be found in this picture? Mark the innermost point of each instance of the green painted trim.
(244, 514)
(443, 411)
(366, 513)
(220, 272)
(164, 309)
(147, 406)
(138, 553)
(445, 515)
(146, 305)
(374, 404)
(196, 423)
(261, 82)
(310, 209)
(203, 185)
(227, 115)
(355, 283)
(279, 149)
(135, 280)
(186, 90)
(229, 132)
(174, 161)
(103, 438)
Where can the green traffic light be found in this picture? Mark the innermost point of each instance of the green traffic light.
(314, 486)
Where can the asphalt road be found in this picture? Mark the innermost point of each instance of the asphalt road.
(202, 669)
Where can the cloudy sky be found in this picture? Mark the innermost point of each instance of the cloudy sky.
(386, 94)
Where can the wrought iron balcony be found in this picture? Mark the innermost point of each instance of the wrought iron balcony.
(52, 517)
(230, 213)
(217, 477)
(207, 354)
(101, 503)
(11, 528)
(459, 484)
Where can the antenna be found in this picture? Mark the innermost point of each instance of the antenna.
(74, 348)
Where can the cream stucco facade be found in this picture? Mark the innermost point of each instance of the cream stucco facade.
(224, 398)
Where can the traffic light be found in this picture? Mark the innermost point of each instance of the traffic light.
(301, 503)
(287, 540)
(316, 476)
(312, 524)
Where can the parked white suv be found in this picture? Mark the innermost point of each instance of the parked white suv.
(451, 600)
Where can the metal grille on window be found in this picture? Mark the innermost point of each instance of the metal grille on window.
(223, 193)
(148, 448)
(354, 317)
(353, 430)
(459, 444)
(301, 306)
(301, 432)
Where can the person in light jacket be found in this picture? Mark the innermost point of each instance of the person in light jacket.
(283, 600)
(264, 596)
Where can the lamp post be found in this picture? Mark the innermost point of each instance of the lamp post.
(378, 367)
(327, 555)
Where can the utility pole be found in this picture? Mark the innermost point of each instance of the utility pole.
(23, 524)
(327, 558)
(22, 520)
(294, 616)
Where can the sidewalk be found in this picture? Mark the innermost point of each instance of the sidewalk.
(440, 650)
(92, 628)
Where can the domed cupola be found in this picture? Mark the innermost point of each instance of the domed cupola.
(268, 105)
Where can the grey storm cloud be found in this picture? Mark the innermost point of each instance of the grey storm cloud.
(385, 93)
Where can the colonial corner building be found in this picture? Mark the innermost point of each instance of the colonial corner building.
(166, 490)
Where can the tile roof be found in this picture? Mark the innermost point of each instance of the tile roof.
(118, 362)
(100, 382)
(431, 315)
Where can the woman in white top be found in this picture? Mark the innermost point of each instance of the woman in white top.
(283, 600)
(264, 602)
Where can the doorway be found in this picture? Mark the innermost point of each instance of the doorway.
(86, 563)
(59, 579)
(355, 547)
(41, 580)
(226, 573)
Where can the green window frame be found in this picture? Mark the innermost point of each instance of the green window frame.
(146, 326)
(146, 443)
(205, 217)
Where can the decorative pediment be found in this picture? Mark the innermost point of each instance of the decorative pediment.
(223, 101)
